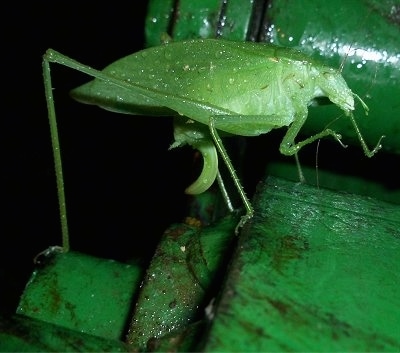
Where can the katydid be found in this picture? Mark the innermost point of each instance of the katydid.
(215, 87)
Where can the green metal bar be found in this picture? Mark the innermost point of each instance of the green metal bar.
(235, 21)
(23, 334)
(158, 19)
(196, 19)
(82, 293)
(184, 273)
(314, 271)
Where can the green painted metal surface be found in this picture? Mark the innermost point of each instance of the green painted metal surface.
(184, 274)
(314, 271)
(83, 293)
(196, 18)
(183, 340)
(192, 19)
(23, 334)
(159, 16)
(355, 184)
(236, 19)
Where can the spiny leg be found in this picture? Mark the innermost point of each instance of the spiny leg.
(224, 192)
(225, 157)
(288, 146)
(299, 169)
(56, 152)
(52, 56)
(367, 151)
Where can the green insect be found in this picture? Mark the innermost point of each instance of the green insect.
(216, 87)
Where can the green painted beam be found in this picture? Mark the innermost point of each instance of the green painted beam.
(23, 334)
(82, 293)
(315, 270)
(184, 274)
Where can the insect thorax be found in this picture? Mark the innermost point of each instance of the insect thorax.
(281, 89)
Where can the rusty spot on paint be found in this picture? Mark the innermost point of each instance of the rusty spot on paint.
(192, 221)
(288, 248)
(279, 305)
(176, 231)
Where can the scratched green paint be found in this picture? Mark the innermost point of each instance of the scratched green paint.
(314, 271)
(82, 293)
(183, 273)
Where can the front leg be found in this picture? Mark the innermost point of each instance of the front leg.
(288, 146)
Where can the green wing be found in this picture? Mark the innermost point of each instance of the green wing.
(199, 79)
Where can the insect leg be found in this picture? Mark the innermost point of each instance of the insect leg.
(225, 157)
(367, 151)
(224, 192)
(299, 170)
(52, 56)
(56, 151)
(288, 147)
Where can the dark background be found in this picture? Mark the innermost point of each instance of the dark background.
(123, 186)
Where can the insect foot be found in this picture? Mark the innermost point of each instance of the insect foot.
(378, 146)
(243, 220)
(337, 137)
(365, 148)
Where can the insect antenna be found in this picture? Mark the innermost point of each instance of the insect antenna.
(317, 148)
(366, 109)
(365, 106)
(316, 163)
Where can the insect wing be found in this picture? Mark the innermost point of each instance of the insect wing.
(197, 79)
